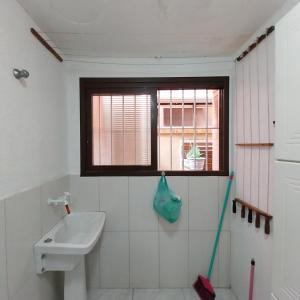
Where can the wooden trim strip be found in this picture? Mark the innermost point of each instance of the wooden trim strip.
(254, 208)
(45, 44)
(255, 145)
(256, 43)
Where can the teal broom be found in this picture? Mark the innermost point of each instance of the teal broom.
(202, 285)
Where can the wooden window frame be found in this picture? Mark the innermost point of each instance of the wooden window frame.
(90, 86)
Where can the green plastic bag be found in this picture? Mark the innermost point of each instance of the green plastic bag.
(166, 203)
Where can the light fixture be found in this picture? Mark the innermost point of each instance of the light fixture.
(20, 73)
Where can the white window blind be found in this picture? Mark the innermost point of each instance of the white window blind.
(121, 130)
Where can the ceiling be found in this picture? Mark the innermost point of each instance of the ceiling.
(150, 28)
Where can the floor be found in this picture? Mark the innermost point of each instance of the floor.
(153, 294)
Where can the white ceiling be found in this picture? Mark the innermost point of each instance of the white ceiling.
(149, 28)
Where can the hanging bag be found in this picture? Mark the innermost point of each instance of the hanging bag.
(166, 203)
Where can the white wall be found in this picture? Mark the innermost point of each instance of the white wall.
(32, 112)
(135, 239)
(32, 153)
(84, 67)
(254, 107)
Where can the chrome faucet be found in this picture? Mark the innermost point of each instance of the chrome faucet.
(63, 200)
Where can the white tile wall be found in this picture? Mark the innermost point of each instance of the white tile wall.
(173, 251)
(84, 193)
(3, 271)
(114, 260)
(136, 239)
(114, 201)
(224, 260)
(141, 214)
(23, 219)
(52, 214)
(137, 248)
(200, 248)
(23, 228)
(203, 203)
(144, 260)
(92, 267)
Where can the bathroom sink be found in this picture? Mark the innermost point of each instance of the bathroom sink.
(64, 248)
(75, 234)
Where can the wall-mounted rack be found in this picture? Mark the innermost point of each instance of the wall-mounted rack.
(45, 44)
(253, 210)
(255, 145)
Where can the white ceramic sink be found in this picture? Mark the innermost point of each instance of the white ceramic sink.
(75, 234)
(64, 247)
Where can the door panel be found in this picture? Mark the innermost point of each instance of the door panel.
(286, 251)
(287, 59)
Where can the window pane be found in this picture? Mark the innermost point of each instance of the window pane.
(188, 127)
(121, 130)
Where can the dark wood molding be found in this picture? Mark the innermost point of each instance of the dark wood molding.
(256, 43)
(89, 86)
(253, 210)
(45, 44)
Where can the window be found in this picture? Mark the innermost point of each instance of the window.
(142, 126)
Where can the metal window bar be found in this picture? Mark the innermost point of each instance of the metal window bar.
(158, 133)
(135, 129)
(123, 121)
(182, 129)
(111, 130)
(194, 123)
(99, 101)
(171, 130)
(147, 136)
(206, 150)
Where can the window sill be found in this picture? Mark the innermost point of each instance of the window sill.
(99, 173)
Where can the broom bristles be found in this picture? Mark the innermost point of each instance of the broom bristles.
(204, 289)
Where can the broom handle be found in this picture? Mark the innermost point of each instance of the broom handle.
(212, 260)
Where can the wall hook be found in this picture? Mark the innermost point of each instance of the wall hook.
(18, 74)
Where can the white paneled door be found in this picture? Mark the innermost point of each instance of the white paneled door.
(286, 255)
(287, 86)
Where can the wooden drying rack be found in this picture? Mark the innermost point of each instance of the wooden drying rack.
(252, 209)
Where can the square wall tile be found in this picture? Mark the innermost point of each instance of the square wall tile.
(224, 260)
(200, 249)
(203, 203)
(142, 216)
(114, 260)
(84, 193)
(53, 214)
(158, 294)
(92, 263)
(180, 186)
(173, 251)
(144, 260)
(114, 201)
(110, 294)
(23, 229)
(221, 194)
(3, 271)
(41, 287)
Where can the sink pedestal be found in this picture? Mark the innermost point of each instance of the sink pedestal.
(75, 283)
